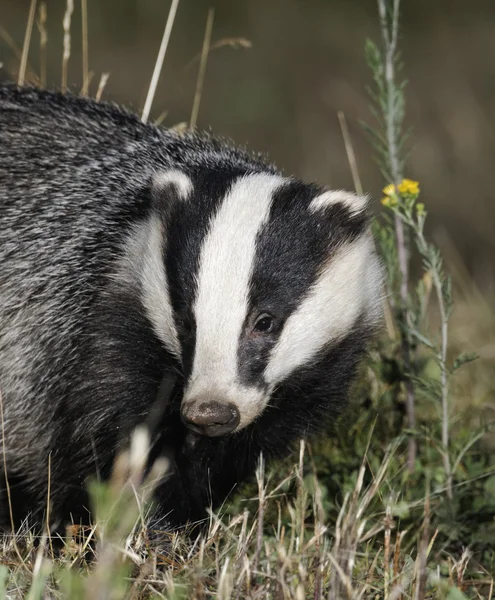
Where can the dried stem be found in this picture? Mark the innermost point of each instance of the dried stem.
(351, 157)
(159, 61)
(27, 41)
(202, 68)
(260, 476)
(389, 38)
(85, 59)
(388, 523)
(66, 53)
(5, 474)
(101, 86)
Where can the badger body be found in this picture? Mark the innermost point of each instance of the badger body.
(132, 256)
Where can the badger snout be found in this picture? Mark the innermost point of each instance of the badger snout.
(210, 418)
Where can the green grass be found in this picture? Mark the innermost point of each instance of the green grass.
(398, 503)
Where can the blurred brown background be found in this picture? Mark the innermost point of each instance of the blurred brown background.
(282, 95)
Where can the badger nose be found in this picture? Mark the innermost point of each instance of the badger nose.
(210, 418)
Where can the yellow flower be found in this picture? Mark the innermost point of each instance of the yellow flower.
(408, 186)
(386, 201)
(389, 190)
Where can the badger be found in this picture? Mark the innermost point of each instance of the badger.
(131, 256)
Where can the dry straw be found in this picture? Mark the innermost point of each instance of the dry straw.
(159, 61)
(27, 41)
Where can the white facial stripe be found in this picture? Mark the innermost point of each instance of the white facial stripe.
(172, 177)
(350, 285)
(353, 202)
(155, 293)
(142, 264)
(226, 263)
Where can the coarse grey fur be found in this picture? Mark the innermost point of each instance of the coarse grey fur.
(80, 361)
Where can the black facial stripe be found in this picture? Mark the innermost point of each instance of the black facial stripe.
(290, 252)
(294, 244)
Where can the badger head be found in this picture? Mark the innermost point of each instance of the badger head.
(250, 280)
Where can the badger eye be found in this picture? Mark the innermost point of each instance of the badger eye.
(264, 324)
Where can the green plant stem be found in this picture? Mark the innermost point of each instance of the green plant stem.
(445, 385)
(390, 44)
(442, 357)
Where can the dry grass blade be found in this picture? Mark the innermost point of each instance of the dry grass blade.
(5, 471)
(351, 523)
(66, 51)
(260, 477)
(85, 59)
(202, 69)
(351, 157)
(421, 573)
(386, 556)
(159, 61)
(42, 16)
(27, 41)
(48, 506)
(101, 86)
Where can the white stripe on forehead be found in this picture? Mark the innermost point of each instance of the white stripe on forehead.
(225, 266)
(349, 286)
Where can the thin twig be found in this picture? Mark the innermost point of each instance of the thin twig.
(85, 60)
(390, 44)
(159, 61)
(27, 41)
(202, 68)
(66, 52)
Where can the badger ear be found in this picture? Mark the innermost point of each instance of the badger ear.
(168, 188)
(355, 204)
